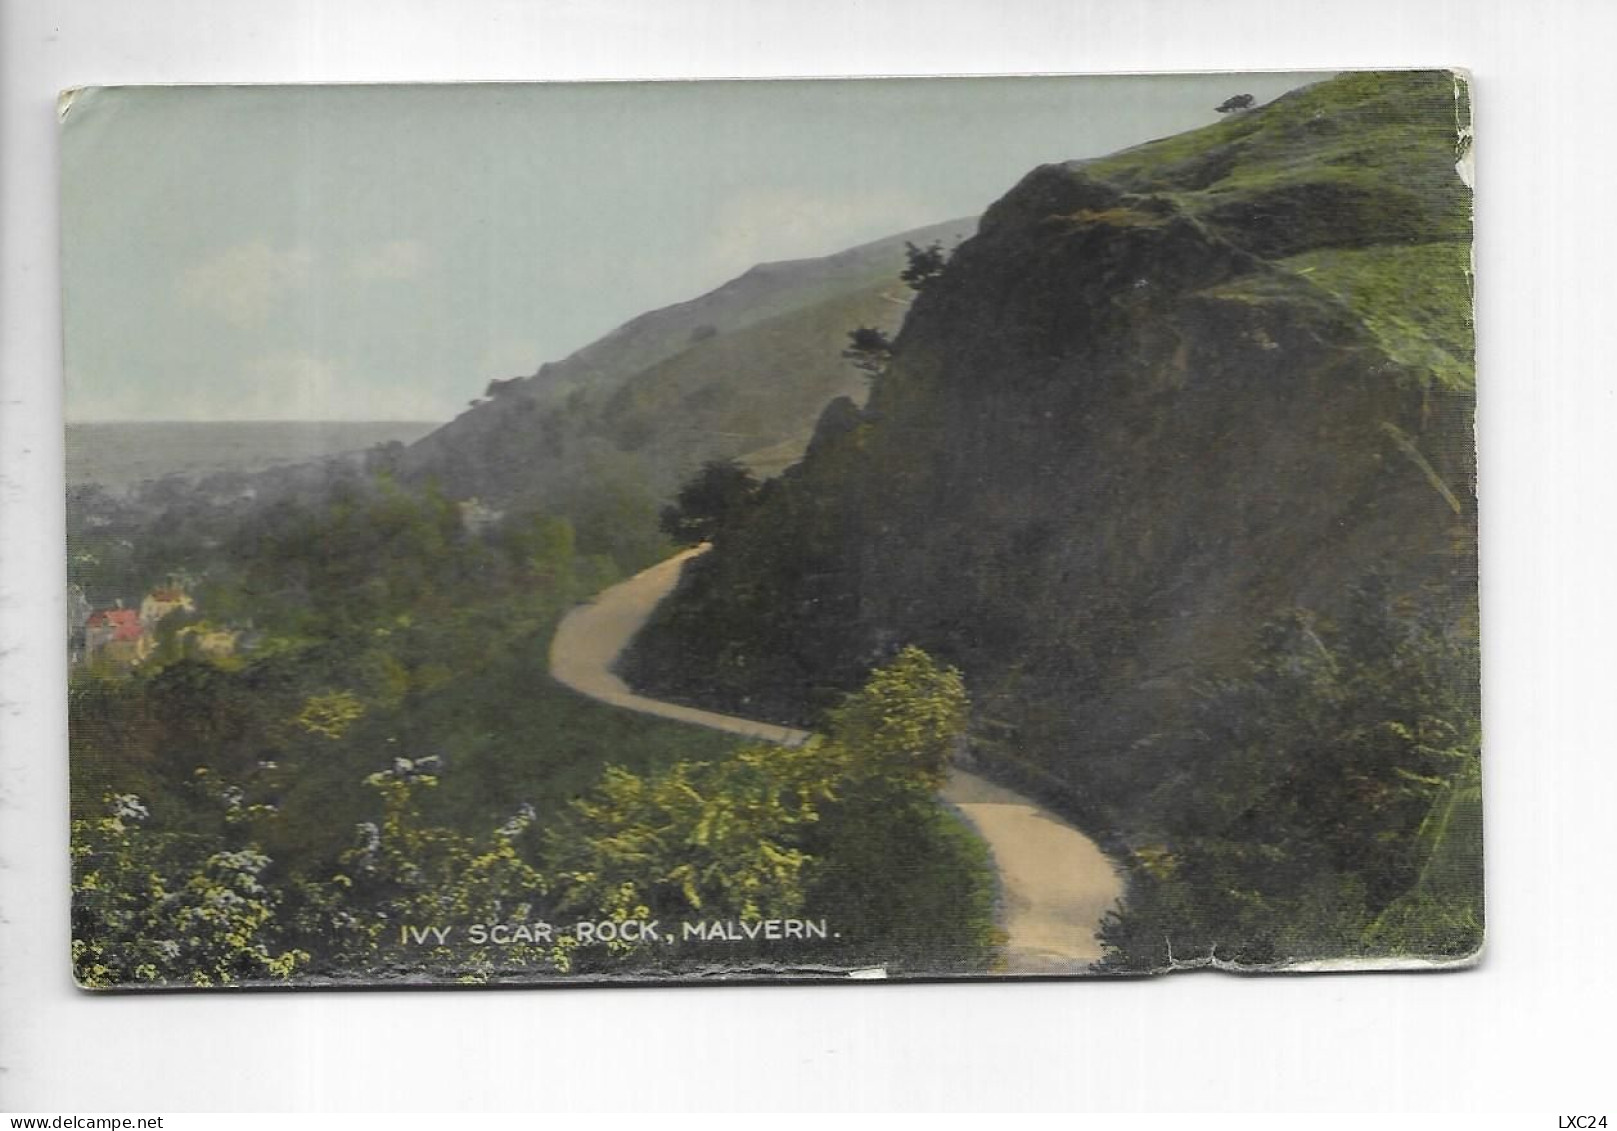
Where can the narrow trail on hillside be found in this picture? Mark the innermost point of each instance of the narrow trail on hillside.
(1055, 883)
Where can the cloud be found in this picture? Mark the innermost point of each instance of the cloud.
(300, 386)
(762, 224)
(394, 261)
(510, 357)
(244, 284)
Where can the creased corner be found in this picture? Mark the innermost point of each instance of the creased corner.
(65, 101)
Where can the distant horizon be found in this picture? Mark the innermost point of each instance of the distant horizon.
(124, 453)
(311, 422)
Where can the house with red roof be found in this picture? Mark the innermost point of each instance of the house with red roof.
(116, 635)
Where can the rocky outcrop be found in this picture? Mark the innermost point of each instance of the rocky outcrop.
(1158, 401)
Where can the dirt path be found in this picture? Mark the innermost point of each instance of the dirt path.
(1055, 883)
(590, 637)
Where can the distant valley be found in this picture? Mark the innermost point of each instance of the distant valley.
(123, 454)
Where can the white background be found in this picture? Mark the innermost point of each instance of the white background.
(1530, 1029)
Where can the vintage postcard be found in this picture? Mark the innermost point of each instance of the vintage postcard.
(558, 533)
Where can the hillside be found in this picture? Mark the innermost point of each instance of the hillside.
(602, 438)
(747, 366)
(1174, 425)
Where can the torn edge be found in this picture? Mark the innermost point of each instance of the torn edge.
(1464, 129)
(1383, 964)
(1465, 167)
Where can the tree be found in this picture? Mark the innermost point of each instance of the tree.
(888, 855)
(925, 266)
(869, 350)
(902, 727)
(714, 498)
(1235, 104)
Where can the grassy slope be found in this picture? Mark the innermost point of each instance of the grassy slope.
(644, 395)
(1415, 300)
(1390, 135)
(765, 292)
(759, 388)
(1389, 236)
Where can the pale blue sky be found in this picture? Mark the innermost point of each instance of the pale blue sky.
(381, 252)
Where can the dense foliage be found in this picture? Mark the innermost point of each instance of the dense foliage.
(846, 827)
(1333, 809)
(716, 497)
(383, 753)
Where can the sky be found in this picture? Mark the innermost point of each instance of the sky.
(382, 252)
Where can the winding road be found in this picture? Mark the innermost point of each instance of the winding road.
(1055, 883)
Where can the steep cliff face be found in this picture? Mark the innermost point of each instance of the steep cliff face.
(1160, 400)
